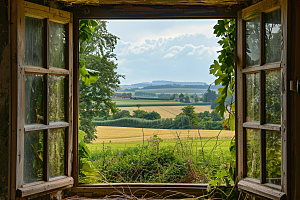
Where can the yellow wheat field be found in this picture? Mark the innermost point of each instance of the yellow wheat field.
(167, 111)
(128, 134)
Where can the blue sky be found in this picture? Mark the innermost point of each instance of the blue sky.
(172, 50)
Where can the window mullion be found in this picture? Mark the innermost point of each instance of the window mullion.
(262, 39)
(262, 118)
(46, 100)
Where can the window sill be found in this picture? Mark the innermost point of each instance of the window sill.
(174, 190)
(44, 187)
(263, 190)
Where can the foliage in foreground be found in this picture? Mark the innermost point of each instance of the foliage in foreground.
(175, 161)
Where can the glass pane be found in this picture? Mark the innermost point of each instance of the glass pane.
(273, 156)
(34, 95)
(273, 97)
(34, 42)
(253, 41)
(56, 152)
(252, 97)
(273, 36)
(253, 153)
(56, 98)
(57, 43)
(33, 157)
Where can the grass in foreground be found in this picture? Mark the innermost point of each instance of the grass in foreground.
(156, 160)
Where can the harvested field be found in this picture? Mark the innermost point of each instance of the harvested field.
(127, 134)
(167, 111)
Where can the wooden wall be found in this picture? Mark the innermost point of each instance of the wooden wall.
(4, 99)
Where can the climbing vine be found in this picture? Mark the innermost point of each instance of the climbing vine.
(224, 70)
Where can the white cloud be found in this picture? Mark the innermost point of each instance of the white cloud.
(169, 55)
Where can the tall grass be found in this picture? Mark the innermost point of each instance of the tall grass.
(180, 160)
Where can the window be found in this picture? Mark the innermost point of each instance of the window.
(261, 123)
(45, 101)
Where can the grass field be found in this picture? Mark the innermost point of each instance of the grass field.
(126, 134)
(142, 102)
(167, 111)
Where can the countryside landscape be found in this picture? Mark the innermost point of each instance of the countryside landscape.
(150, 131)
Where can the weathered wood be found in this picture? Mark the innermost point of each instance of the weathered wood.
(14, 30)
(69, 98)
(51, 70)
(153, 12)
(75, 163)
(140, 189)
(18, 89)
(261, 190)
(269, 127)
(262, 119)
(46, 186)
(286, 156)
(239, 80)
(46, 175)
(42, 12)
(262, 59)
(263, 6)
(265, 67)
(52, 125)
(291, 140)
(160, 2)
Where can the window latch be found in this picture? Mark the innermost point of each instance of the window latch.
(298, 85)
(293, 84)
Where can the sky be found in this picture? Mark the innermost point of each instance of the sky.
(171, 50)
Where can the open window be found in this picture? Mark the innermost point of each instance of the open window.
(44, 100)
(261, 103)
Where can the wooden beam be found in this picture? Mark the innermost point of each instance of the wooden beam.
(263, 6)
(153, 12)
(75, 163)
(27, 191)
(240, 103)
(261, 190)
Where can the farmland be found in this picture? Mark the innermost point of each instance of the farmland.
(167, 111)
(126, 134)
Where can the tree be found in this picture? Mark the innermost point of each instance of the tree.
(190, 112)
(181, 97)
(209, 96)
(146, 115)
(187, 99)
(196, 98)
(97, 52)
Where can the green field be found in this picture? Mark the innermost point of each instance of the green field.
(194, 143)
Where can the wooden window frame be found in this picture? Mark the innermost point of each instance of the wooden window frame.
(259, 187)
(107, 12)
(21, 9)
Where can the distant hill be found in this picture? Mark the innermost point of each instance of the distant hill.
(162, 82)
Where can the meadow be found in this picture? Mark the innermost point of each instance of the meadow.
(176, 156)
